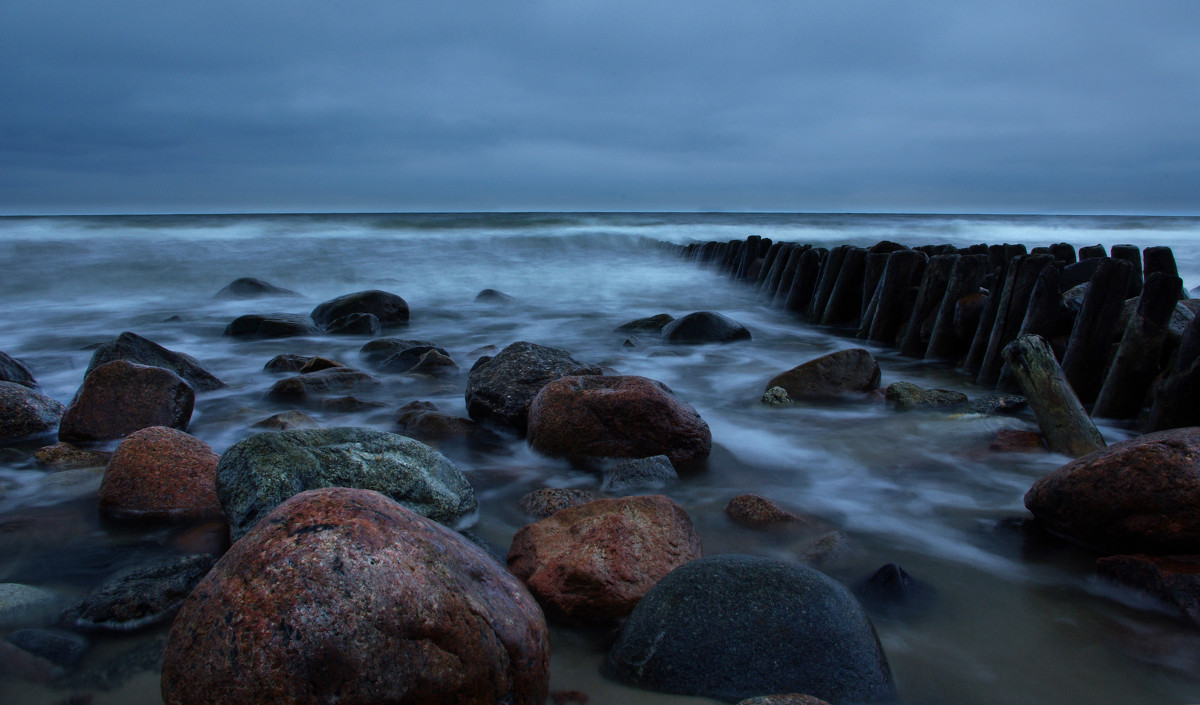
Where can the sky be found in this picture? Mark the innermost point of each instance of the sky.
(1012, 106)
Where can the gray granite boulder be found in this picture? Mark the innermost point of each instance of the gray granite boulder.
(25, 413)
(132, 347)
(704, 327)
(501, 388)
(261, 472)
(735, 626)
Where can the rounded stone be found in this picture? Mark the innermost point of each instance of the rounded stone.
(543, 502)
(735, 626)
(330, 380)
(270, 325)
(132, 347)
(13, 370)
(355, 324)
(616, 417)
(594, 562)
(832, 375)
(342, 595)
(390, 309)
(704, 327)
(25, 413)
(120, 397)
(500, 388)
(755, 511)
(261, 472)
(250, 287)
(161, 473)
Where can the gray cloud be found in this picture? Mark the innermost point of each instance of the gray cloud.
(1015, 106)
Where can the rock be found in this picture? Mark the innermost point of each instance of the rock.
(616, 417)
(348, 405)
(161, 473)
(594, 562)
(998, 404)
(287, 421)
(303, 388)
(832, 375)
(652, 324)
(548, 500)
(380, 349)
(355, 324)
(1138, 496)
(262, 471)
(343, 595)
(406, 360)
(390, 309)
(734, 626)
(906, 396)
(121, 397)
(704, 327)
(1174, 580)
(756, 512)
(1016, 441)
(638, 474)
(21, 603)
(318, 363)
(893, 592)
(491, 296)
(131, 347)
(286, 362)
(434, 363)
(783, 699)
(25, 413)
(251, 288)
(64, 456)
(58, 646)
(500, 388)
(423, 421)
(270, 325)
(777, 397)
(15, 371)
(827, 550)
(142, 597)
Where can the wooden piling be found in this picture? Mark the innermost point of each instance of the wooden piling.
(904, 268)
(845, 301)
(1018, 286)
(1132, 255)
(1174, 397)
(805, 281)
(1046, 316)
(933, 286)
(1059, 413)
(1085, 361)
(768, 263)
(965, 276)
(781, 287)
(1091, 252)
(829, 274)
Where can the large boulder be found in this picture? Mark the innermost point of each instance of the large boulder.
(594, 562)
(390, 309)
(270, 325)
(734, 626)
(616, 417)
(261, 472)
(342, 595)
(132, 347)
(120, 397)
(25, 413)
(303, 388)
(161, 473)
(1136, 496)
(13, 370)
(500, 388)
(832, 375)
(704, 327)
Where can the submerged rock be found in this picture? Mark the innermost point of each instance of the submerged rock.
(1173, 580)
(58, 646)
(501, 388)
(756, 512)
(304, 387)
(355, 324)
(892, 591)
(120, 397)
(287, 421)
(64, 456)
(25, 413)
(650, 324)
(638, 474)
(21, 604)
(492, 296)
(734, 626)
(250, 288)
(134, 348)
(832, 375)
(257, 474)
(704, 327)
(142, 597)
(423, 421)
(344, 595)
(381, 349)
(390, 309)
(616, 417)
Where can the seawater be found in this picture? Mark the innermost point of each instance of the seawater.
(1013, 621)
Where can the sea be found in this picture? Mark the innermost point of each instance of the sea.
(1013, 618)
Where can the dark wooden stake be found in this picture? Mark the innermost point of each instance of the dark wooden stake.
(1085, 361)
(933, 287)
(1064, 424)
(944, 343)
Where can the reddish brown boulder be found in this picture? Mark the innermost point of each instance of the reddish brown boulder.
(1009, 440)
(616, 417)
(161, 473)
(342, 595)
(25, 413)
(594, 562)
(832, 375)
(1136, 496)
(1173, 579)
(118, 398)
(755, 511)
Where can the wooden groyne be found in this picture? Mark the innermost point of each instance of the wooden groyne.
(1118, 321)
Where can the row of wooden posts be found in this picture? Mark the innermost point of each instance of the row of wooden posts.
(967, 305)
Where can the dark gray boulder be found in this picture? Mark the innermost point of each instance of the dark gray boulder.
(132, 347)
(735, 626)
(251, 288)
(405, 360)
(500, 388)
(390, 309)
(641, 473)
(119, 397)
(286, 362)
(650, 324)
(305, 388)
(262, 471)
(142, 597)
(270, 325)
(704, 327)
(492, 296)
(355, 324)
(25, 413)
(381, 349)
(13, 370)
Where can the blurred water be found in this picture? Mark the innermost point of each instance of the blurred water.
(1014, 623)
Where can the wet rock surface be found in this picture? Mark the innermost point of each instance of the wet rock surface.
(304, 388)
(343, 595)
(830, 376)
(142, 597)
(1173, 580)
(388, 308)
(906, 396)
(121, 397)
(271, 325)
(161, 473)
(650, 324)
(756, 512)
(13, 370)
(252, 288)
(642, 473)
(704, 327)
(131, 347)
(500, 388)
(25, 413)
(548, 500)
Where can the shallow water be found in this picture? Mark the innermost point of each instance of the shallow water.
(1016, 620)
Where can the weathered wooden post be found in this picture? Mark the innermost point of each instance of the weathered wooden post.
(779, 290)
(846, 298)
(944, 343)
(902, 271)
(1085, 361)
(1046, 316)
(1022, 275)
(1065, 425)
(829, 274)
(1174, 403)
(983, 332)
(749, 253)
(1137, 361)
(805, 281)
(768, 263)
(933, 287)
(1132, 255)
(1063, 252)
(1091, 252)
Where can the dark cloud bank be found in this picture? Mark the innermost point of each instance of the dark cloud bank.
(863, 106)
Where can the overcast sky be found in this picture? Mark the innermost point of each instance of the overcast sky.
(897, 105)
